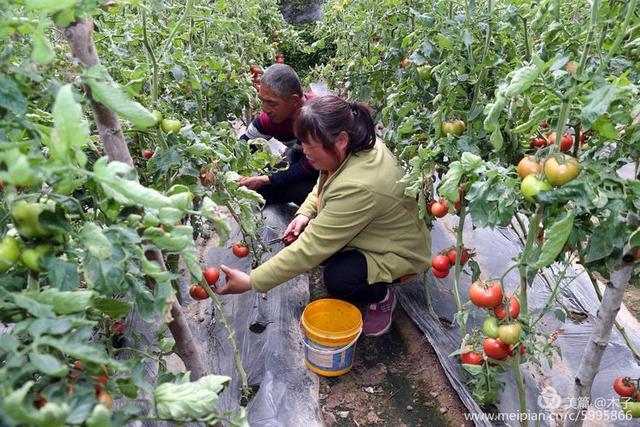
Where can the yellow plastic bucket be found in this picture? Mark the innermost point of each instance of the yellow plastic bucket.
(331, 329)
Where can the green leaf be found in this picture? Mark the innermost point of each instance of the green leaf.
(600, 100)
(113, 308)
(48, 364)
(11, 97)
(634, 239)
(522, 79)
(62, 275)
(50, 6)
(32, 306)
(605, 238)
(125, 191)
(189, 400)
(100, 417)
(64, 302)
(41, 51)
(555, 238)
(86, 352)
(95, 241)
(493, 112)
(51, 415)
(109, 93)
(496, 139)
(71, 128)
(127, 387)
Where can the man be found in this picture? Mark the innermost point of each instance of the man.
(282, 97)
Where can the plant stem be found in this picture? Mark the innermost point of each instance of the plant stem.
(522, 393)
(459, 245)
(527, 47)
(592, 30)
(427, 296)
(534, 224)
(152, 57)
(232, 339)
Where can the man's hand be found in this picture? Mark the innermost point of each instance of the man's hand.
(296, 227)
(254, 182)
(236, 282)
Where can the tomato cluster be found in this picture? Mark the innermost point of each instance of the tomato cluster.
(211, 275)
(255, 72)
(441, 263)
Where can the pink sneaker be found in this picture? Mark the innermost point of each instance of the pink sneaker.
(377, 319)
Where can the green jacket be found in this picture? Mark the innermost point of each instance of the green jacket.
(363, 207)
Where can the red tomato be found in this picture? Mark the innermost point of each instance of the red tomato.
(486, 295)
(439, 209)
(495, 348)
(118, 327)
(240, 249)
(198, 292)
(471, 358)
(404, 63)
(102, 379)
(40, 401)
(440, 262)
(255, 69)
(1, 185)
(441, 274)
(565, 143)
(147, 154)
(514, 309)
(211, 275)
(463, 258)
(78, 365)
(538, 142)
(625, 387)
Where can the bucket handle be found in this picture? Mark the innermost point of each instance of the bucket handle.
(332, 352)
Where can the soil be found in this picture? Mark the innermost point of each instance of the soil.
(396, 380)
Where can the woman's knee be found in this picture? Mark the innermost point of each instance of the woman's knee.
(345, 271)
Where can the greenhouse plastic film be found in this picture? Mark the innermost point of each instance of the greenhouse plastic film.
(285, 391)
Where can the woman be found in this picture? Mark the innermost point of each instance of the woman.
(356, 221)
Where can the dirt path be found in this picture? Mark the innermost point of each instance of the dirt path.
(396, 380)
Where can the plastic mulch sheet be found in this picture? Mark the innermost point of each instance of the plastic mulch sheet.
(287, 392)
(548, 389)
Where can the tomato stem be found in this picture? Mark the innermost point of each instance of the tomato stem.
(459, 245)
(621, 31)
(534, 224)
(522, 393)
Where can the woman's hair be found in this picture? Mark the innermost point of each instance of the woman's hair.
(324, 117)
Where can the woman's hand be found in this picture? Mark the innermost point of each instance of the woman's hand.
(254, 182)
(236, 282)
(296, 227)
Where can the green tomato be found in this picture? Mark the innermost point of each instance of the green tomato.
(170, 126)
(157, 115)
(490, 327)
(630, 407)
(9, 253)
(453, 127)
(531, 186)
(25, 217)
(32, 257)
(510, 333)
(424, 71)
